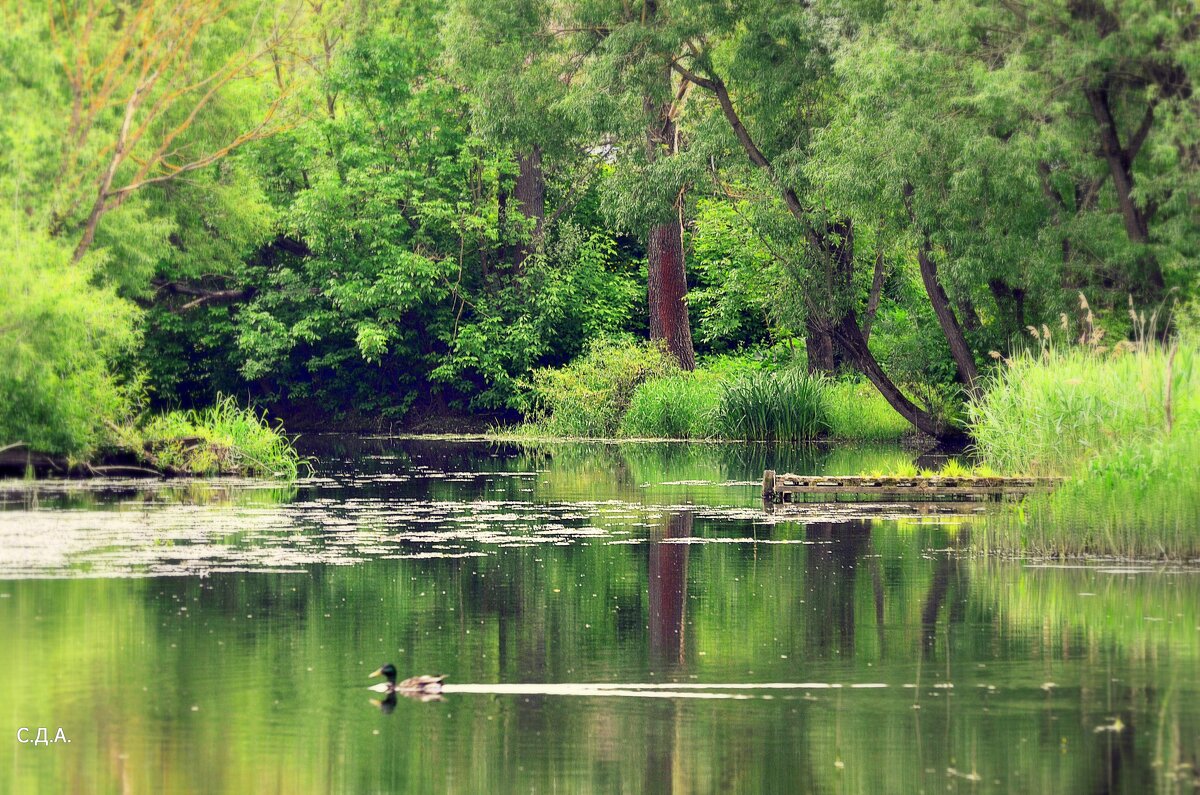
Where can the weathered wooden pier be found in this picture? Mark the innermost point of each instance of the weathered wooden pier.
(785, 487)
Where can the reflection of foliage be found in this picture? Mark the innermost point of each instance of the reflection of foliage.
(288, 652)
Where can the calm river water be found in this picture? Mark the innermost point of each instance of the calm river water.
(216, 637)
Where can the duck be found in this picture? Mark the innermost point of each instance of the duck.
(423, 685)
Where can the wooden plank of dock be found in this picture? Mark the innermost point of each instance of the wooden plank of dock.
(778, 488)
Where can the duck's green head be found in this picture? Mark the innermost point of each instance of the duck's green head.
(387, 671)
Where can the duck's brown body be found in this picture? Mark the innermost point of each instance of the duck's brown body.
(424, 685)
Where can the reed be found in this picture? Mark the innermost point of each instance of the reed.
(1123, 426)
(221, 440)
(788, 406)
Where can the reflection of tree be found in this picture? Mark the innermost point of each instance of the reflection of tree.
(668, 589)
(829, 573)
(948, 577)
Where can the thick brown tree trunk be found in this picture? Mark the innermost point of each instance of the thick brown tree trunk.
(529, 192)
(667, 292)
(666, 274)
(819, 344)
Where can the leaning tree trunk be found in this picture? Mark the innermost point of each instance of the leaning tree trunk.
(667, 292)
(964, 359)
(959, 349)
(846, 331)
(849, 336)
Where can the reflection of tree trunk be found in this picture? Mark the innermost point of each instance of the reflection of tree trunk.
(668, 589)
(829, 574)
(933, 603)
(877, 589)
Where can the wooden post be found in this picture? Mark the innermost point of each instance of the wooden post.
(768, 484)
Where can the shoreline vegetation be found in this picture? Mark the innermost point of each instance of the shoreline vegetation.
(631, 390)
(1122, 426)
(400, 215)
(224, 439)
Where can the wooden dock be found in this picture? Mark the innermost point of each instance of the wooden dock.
(785, 487)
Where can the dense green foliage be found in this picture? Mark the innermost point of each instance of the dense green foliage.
(368, 214)
(59, 338)
(621, 389)
(590, 398)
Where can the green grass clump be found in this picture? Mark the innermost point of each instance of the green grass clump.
(1053, 412)
(857, 411)
(589, 397)
(1140, 500)
(788, 406)
(1123, 427)
(674, 407)
(221, 440)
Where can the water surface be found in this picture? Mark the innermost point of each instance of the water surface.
(611, 618)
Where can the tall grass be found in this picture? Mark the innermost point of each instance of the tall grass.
(858, 412)
(674, 407)
(223, 439)
(788, 406)
(1049, 412)
(1123, 427)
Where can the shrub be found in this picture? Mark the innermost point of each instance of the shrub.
(675, 407)
(59, 335)
(789, 406)
(589, 397)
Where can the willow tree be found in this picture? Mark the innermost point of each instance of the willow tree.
(142, 81)
(626, 101)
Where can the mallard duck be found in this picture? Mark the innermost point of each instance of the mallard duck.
(423, 685)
